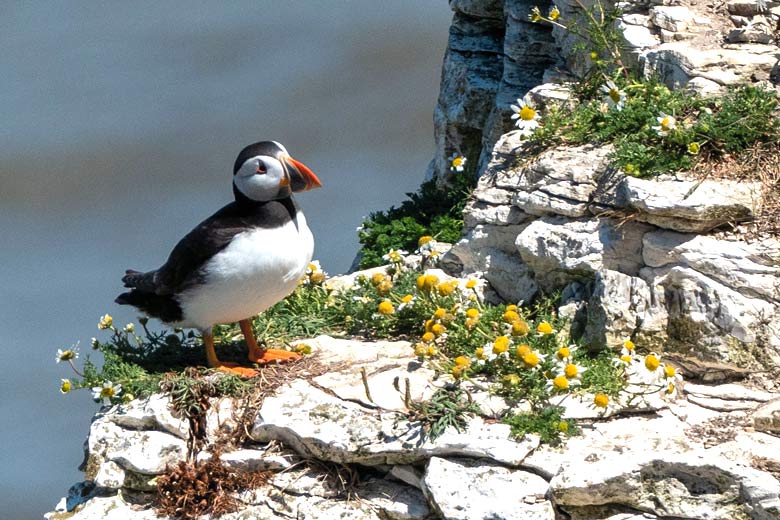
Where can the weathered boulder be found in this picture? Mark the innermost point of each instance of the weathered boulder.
(634, 247)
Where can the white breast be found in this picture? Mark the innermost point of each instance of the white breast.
(257, 269)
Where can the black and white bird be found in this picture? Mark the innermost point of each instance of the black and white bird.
(238, 262)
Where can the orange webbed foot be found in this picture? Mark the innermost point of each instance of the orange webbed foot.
(235, 369)
(272, 355)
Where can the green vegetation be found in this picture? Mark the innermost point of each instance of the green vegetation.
(654, 130)
(433, 210)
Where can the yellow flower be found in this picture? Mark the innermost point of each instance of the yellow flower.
(420, 349)
(428, 337)
(384, 287)
(571, 370)
(626, 359)
(563, 353)
(438, 329)
(555, 13)
(670, 389)
(429, 325)
(472, 313)
(501, 345)
(511, 307)
(510, 316)
(544, 328)
(65, 386)
(694, 148)
(377, 278)
(439, 313)
(520, 328)
(652, 362)
(669, 371)
(471, 284)
(105, 322)
(462, 361)
(531, 359)
(522, 350)
(457, 371)
(594, 55)
(471, 323)
(431, 350)
(424, 240)
(560, 383)
(317, 277)
(629, 345)
(302, 348)
(479, 353)
(445, 288)
(601, 400)
(386, 308)
(427, 282)
(536, 15)
(407, 298)
(512, 379)
(563, 426)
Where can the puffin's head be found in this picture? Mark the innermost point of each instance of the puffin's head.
(265, 171)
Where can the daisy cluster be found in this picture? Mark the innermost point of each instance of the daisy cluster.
(523, 360)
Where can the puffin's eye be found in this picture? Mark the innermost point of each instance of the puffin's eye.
(261, 169)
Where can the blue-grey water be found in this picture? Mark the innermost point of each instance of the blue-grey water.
(119, 124)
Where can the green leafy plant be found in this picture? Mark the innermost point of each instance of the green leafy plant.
(654, 130)
(434, 210)
(449, 406)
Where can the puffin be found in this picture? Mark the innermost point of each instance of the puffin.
(238, 262)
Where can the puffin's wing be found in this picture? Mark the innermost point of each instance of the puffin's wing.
(196, 248)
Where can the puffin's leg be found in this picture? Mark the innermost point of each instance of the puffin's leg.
(214, 362)
(260, 355)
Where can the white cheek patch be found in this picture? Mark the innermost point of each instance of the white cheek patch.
(260, 187)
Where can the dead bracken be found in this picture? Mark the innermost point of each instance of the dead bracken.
(190, 490)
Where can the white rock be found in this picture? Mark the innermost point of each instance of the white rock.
(317, 424)
(738, 265)
(110, 475)
(560, 251)
(152, 413)
(470, 490)
(729, 391)
(688, 486)
(689, 205)
(106, 508)
(704, 87)
(671, 18)
(637, 36)
(250, 460)
(140, 451)
(767, 418)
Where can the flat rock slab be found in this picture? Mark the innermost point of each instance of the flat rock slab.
(683, 486)
(317, 424)
(472, 490)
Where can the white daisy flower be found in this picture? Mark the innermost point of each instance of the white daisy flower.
(395, 256)
(457, 162)
(67, 355)
(106, 392)
(615, 98)
(527, 119)
(666, 124)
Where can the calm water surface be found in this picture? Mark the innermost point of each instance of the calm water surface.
(120, 124)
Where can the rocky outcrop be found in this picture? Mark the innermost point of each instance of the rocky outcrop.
(627, 253)
(339, 445)
(495, 55)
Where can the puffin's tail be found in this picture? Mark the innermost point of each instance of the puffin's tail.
(143, 297)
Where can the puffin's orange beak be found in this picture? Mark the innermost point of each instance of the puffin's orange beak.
(301, 177)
